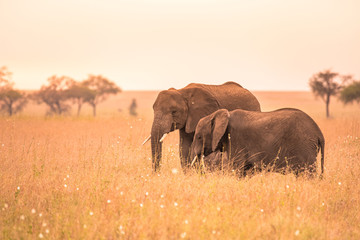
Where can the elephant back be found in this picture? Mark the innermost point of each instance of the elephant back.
(205, 99)
(231, 96)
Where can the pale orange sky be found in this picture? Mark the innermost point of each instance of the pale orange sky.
(144, 44)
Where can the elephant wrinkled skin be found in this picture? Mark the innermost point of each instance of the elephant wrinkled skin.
(183, 108)
(285, 139)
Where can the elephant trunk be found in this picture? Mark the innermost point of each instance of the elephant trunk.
(156, 151)
(159, 128)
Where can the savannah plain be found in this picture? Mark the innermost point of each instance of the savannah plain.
(90, 178)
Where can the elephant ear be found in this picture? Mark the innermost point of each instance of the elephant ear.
(200, 104)
(219, 125)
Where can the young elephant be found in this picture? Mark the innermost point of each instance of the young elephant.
(279, 140)
(215, 161)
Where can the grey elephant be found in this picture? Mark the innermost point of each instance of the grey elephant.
(285, 139)
(183, 108)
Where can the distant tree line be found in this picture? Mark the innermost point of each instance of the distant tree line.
(60, 92)
(327, 84)
(57, 94)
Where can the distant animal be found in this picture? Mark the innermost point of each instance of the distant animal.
(183, 108)
(132, 108)
(283, 139)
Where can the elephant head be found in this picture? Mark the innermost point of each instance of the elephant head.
(209, 133)
(178, 109)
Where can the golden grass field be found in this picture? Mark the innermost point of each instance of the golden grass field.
(90, 178)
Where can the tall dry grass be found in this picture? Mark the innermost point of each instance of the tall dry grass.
(90, 178)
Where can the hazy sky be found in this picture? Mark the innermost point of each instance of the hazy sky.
(157, 44)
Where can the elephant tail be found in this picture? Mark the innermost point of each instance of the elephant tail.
(321, 143)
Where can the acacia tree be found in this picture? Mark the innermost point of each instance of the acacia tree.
(100, 88)
(54, 94)
(11, 100)
(351, 93)
(79, 93)
(326, 84)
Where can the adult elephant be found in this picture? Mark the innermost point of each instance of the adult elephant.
(279, 140)
(183, 108)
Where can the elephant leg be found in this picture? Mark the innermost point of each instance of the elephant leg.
(249, 169)
(311, 170)
(184, 148)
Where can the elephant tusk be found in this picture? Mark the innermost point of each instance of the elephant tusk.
(163, 137)
(193, 161)
(147, 139)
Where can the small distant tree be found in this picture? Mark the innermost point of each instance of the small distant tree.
(11, 100)
(80, 94)
(54, 94)
(326, 84)
(351, 93)
(100, 88)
